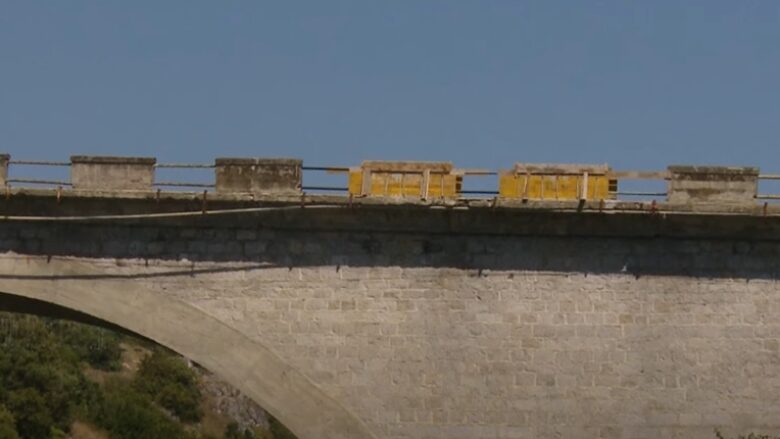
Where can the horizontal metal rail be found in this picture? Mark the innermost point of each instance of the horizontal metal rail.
(38, 162)
(38, 181)
(184, 165)
(478, 172)
(325, 168)
(474, 192)
(768, 177)
(325, 188)
(142, 216)
(641, 194)
(183, 184)
(412, 172)
(638, 175)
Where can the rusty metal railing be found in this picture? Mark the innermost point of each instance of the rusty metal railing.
(629, 177)
(37, 181)
(769, 178)
(472, 183)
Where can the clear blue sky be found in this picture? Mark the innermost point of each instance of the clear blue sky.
(637, 84)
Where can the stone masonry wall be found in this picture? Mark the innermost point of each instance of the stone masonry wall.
(434, 353)
(472, 336)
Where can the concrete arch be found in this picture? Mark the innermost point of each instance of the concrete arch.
(247, 365)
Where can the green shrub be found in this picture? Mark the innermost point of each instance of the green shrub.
(43, 388)
(33, 417)
(233, 431)
(171, 384)
(129, 414)
(278, 430)
(56, 433)
(41, 382)
(7, 424)
(96, 346)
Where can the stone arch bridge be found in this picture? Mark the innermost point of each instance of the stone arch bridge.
(359, 318)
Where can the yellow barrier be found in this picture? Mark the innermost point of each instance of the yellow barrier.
(405, 179)
(557, 182)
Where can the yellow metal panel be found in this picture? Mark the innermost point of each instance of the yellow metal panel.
(395, 185)
(444, 185)
(554, 187)
(355, 182)
(395, 166)
(404, 184)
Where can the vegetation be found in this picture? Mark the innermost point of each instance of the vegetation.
(41, 381)
(44, 387)
(171, 384)
(7, 424)
(233, 431)
(128, 414)
(97, 347)
(279, 431)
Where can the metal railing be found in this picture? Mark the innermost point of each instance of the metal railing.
(477, 183)
(37, 181)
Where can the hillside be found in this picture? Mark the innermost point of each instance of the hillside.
(62, 379)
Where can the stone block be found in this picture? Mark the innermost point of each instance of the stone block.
(4, 158)
(112, 173)
(258, 175)
(712, 184)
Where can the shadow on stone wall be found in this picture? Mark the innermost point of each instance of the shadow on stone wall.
(24, 305)
(742, 247)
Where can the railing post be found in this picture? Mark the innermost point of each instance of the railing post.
(4, 159)
(112, 173)
(258, 175)
(425, 185)
(584, 195)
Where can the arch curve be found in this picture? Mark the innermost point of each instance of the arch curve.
(244, 363)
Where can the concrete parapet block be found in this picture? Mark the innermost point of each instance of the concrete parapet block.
(112, 173)
(258, 175)
(712, 184)
(4, 159)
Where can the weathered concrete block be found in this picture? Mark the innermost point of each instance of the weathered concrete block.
(712, 184)
(4, 158)
(258, 175)
(112, 173)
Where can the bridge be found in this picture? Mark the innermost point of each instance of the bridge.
(409, 306)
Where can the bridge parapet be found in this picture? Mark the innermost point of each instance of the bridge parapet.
(701, 189)
(258, 175)
(712, 184)
(112, 173)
